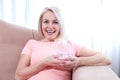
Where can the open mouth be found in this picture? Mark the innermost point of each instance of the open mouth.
(50, 32)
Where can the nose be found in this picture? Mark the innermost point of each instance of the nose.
(50, 25)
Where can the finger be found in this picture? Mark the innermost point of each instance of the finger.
(70, 63)
(55, 56)
(71, 58)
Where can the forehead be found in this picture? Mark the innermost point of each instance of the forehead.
(49, 15)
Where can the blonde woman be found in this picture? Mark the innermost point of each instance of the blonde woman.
(53, 58)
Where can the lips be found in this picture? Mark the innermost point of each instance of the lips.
(50, 32)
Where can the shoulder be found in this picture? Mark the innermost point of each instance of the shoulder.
(32, 41)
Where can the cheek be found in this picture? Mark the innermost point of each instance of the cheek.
(43, 27)
(59, 32)
(58, 29)
(43, 30)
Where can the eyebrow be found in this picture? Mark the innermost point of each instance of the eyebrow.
(44, 19)
(47, 19)
(55, 20)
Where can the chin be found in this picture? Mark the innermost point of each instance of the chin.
(52, 39)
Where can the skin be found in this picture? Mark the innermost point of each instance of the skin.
(50, 24)
(51, 30)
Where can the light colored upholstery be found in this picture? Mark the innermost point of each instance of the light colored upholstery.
(94, 73)
(12, 40)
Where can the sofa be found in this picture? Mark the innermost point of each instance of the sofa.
(12, 40)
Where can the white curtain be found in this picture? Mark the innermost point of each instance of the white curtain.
(92, 23)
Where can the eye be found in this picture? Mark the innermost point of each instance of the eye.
(55, 22)
(46, 21)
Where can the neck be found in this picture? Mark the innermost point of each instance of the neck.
(48, 40)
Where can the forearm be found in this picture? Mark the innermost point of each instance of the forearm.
(94, 60)
(24, 74)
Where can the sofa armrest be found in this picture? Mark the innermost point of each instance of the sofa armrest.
(94, 73)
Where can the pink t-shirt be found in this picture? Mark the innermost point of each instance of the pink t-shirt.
(39, 50)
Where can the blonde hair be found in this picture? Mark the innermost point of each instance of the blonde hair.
(56, 11)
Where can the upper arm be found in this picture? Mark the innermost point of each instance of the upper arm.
(84, 52)
(23, 62)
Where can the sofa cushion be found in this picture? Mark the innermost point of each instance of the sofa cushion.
(9, 55)
(12, 40)
(94, 73)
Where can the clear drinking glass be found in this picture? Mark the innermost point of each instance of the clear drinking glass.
(63, 56)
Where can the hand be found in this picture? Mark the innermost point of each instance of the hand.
(56, 63)
(52, 61)
(72, 62)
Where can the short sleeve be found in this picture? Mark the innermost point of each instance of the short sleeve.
(27, 48)
(76, 47)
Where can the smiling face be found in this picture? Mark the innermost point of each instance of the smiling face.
(50, 26)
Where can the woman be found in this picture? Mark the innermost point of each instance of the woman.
(52, 57)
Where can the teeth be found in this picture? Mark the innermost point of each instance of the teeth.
(50, 32)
